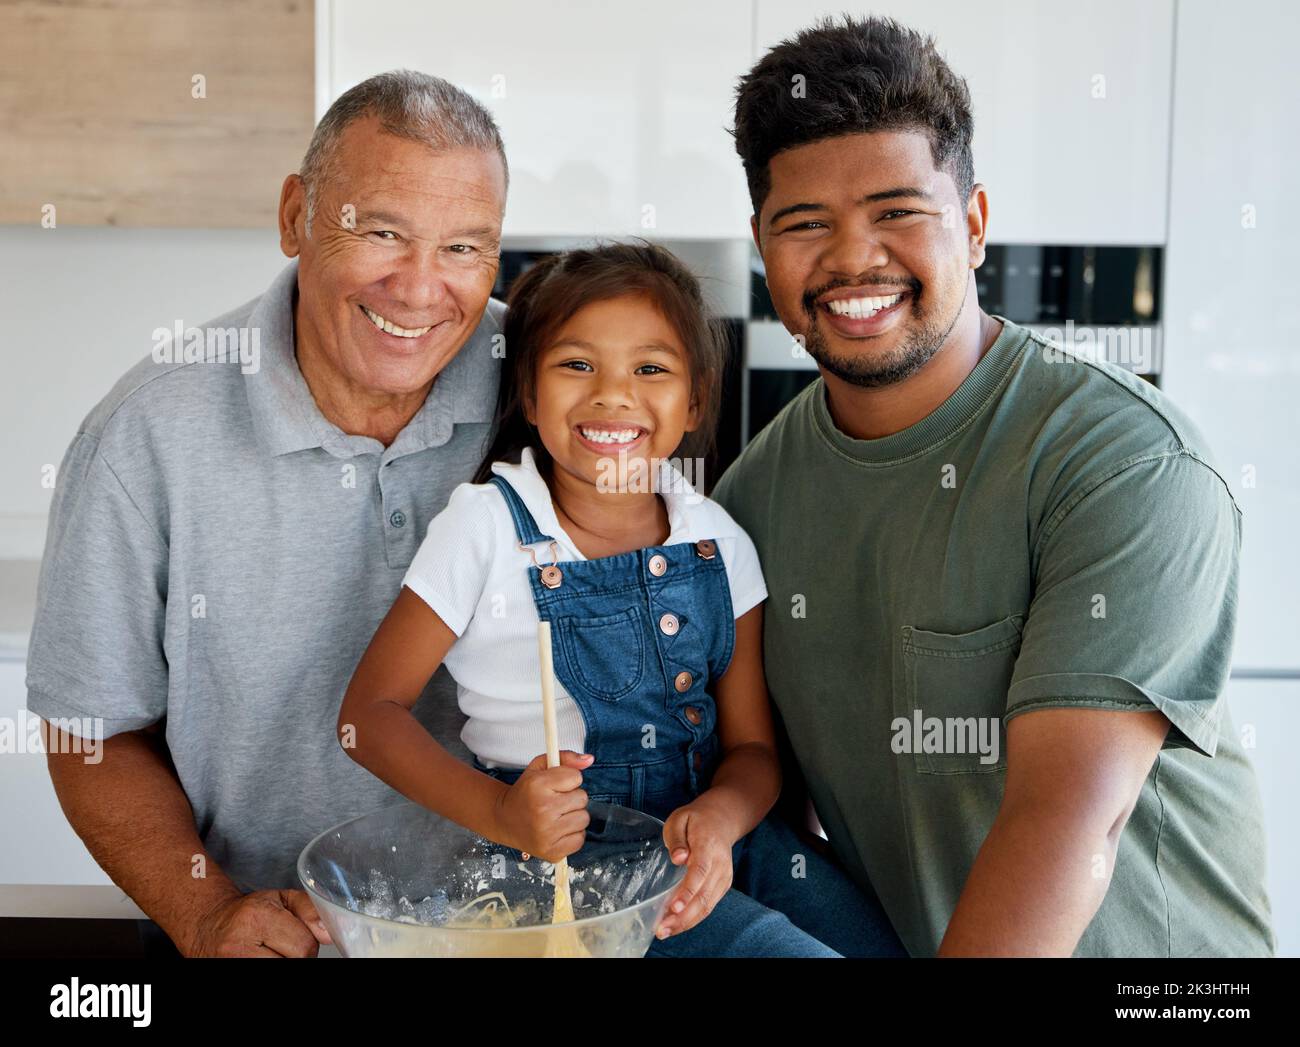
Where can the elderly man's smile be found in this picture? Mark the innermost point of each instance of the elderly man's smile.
(397, 336)
(386, 325)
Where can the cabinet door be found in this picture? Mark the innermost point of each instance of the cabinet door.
(614, 116)
(39, 844)
(1266, 714)
(1071, 105)
(1231, 307)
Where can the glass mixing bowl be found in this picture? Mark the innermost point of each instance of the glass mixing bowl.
(403, 881)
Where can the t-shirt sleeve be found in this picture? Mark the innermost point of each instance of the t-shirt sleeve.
(723, 492)
(96, 649)
(1135, 600)
(450, 569)
(740, 557)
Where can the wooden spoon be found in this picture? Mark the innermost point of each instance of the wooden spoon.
(562, 912)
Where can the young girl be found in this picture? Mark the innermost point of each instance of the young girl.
(655, 598)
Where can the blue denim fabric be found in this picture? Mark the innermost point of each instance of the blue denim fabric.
(787, 899)
(655, 743)
(639, 640)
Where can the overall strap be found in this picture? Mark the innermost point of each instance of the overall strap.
(525, 525)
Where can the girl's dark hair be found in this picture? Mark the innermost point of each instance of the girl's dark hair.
(545, 297)
(857, 76)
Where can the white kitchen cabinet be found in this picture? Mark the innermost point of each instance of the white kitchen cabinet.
(1231, 307)
(1062, 165)
(1266, 714)
(37, 845)
(613, 115)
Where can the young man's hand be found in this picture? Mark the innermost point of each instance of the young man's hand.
(703, 839)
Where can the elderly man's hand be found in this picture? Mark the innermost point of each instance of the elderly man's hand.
(264, 923)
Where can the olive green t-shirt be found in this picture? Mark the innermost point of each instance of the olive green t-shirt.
(1054, 534)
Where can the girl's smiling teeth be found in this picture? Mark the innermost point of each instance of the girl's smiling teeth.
(609, 436)
(391, 328)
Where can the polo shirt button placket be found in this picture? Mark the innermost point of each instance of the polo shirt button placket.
(400, 540)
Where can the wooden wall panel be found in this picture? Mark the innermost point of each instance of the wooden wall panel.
(98, 114)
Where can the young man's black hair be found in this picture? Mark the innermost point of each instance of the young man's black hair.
(852, 77)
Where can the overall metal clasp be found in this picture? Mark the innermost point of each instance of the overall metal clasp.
(552, 576)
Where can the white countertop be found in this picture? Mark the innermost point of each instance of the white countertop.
(74, 901)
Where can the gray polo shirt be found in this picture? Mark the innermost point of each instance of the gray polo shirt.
(219, 555)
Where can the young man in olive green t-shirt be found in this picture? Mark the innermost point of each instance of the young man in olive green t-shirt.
(1002, 579)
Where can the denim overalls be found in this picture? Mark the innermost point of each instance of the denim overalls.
(637, 639)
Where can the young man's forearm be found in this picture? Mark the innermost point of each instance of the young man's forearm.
(132, 813)
(1036, 884)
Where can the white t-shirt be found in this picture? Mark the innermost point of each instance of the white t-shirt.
(473, 574)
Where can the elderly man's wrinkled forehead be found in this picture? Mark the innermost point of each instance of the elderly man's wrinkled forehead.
(370, 163)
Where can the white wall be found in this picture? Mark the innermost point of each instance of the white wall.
(80, 306)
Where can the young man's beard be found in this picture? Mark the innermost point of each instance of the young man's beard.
(922, 338)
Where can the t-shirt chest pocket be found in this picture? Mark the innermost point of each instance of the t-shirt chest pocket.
(952, 695)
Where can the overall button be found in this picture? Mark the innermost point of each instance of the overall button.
(683, 681)
(693, 714)
(705, 549)
(669, 625)
(657, 565)
(552, 576)
(698, 761)
(397, 518)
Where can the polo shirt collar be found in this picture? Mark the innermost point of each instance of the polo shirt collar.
(285, 414)
(678, 495)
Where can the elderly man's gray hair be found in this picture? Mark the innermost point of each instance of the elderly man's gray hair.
(411, 105)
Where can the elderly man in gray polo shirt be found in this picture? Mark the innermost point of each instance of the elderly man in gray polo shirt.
(223, 544)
